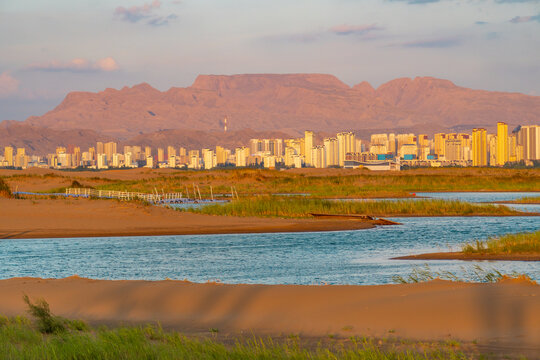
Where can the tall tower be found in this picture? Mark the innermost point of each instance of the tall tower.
(308, 143)
(502, 143)
(479, 145)
(225, 124)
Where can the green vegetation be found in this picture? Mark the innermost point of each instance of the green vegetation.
(522, 243)
(19, 339)
(526, 200)
(334, 182)
(5, 191)
(301, 207)
(471, 274)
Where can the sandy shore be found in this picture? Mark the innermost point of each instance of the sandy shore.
(46, 218)
(462, 256)
(505, 314)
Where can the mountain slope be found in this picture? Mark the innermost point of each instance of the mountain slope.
(289, 103)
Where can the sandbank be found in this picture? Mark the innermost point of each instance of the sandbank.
(505, 314)
(469, 257)
(77, 217)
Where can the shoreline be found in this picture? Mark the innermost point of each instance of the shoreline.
(470, 257)
(436, 310)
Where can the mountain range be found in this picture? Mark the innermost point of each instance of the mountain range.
(268, 103)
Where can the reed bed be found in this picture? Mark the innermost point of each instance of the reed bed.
(5, 191)
(301, 207)
(522, 243)
(20, 339)
(336, 182)
(526, 200)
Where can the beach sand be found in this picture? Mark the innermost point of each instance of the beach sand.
(78, 217)
(497, 316)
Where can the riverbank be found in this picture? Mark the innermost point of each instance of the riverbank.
(512, 247)
(470, 257)
(503, 315)
(302, 207)
(48, 218)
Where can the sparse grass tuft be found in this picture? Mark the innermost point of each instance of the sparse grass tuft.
(522, 243)
(474, 274)
(47, 323)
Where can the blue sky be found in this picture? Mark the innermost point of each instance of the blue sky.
(49, 48)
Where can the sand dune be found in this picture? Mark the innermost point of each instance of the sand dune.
(505, 314)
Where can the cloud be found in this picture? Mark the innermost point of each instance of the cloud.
(433, 43)
(418, 2)
(8, 84)
(145, 12)
(77, 65)
(293, 38)
(354, 29)
(481, 23)
(515, 1)
(524, 19)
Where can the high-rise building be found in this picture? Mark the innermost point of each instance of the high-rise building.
(21, 159)
(479, 147)
(529, 139)
(100, 149)
(318, 157)
(502, 143)
(171, 151)
(76, 158)
(222, 155)
(331, 150)
(182, 151)
(241, 155)
(160, 155)
(147, 152)
(208, 158)
(110, 149)
(308, 146)
(439, 144)
(8, 155)
(102, 161)
(346, 144)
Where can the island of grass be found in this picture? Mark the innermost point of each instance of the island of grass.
(518, 247)
(533, 200)
(302, 207)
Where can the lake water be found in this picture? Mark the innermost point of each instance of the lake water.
(344, 257)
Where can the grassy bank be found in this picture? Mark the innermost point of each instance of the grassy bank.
(525, 200)
(5, 191)
(316, 182)
(522, 243)
(20, 339)
(299, 207)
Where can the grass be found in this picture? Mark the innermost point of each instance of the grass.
(5, 191)
(475, 273)
(522, 243)
(20, 339)
(301, 207)
(335, 182)
(526, 200)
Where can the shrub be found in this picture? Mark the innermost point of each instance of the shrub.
(5, 191)
(47, 323)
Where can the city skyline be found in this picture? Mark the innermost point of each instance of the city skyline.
(383, 151)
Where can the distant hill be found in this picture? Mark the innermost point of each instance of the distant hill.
(288, 103)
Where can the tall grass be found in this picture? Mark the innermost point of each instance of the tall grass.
(337, 182)
(300, 207)
(5, 191)
(526, 200)
(20, 340)
(524, 243)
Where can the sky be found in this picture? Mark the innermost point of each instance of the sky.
(49, 48)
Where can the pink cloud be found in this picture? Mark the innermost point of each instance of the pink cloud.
(8, 84)
(77, 65)
(354, 29)
(136, 13)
